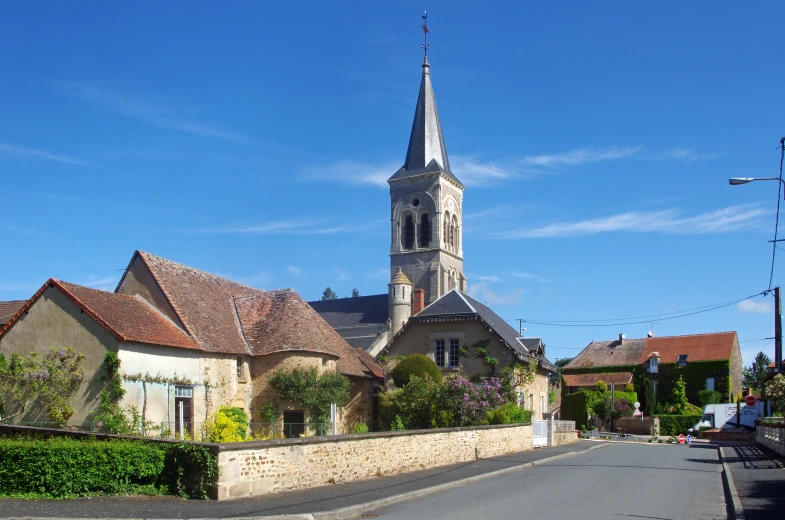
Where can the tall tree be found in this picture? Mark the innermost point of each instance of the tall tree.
(755, 373)
(328, 294)
(355, 293)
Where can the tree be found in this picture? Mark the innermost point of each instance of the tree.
(649, 399)
(47, 380)
(775, 392)
(679, 397)
(563, 362)
(329, 294)
(755, 373)
(355, 293)
(415, 365)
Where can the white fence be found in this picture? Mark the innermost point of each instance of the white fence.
(771, 437)
(563, 426)
(540, 437)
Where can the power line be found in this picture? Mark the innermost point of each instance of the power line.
(681, 347)
(777, 217)
(644, 319)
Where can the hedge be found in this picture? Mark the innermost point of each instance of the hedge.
(63, 467)
(676, 424)
(415, 365)
(574, 407)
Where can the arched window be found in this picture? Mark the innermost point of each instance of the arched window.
(446, 232)
(454, 233)
(408, 233)
(425, 230)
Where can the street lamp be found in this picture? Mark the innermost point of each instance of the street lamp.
(735, 181)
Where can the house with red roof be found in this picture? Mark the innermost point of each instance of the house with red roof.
(709, 361)
(188, 342)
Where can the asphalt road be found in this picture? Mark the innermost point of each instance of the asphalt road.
(620, 481)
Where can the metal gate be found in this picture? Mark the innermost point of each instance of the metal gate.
(540, 434)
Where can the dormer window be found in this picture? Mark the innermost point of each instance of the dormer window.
(654, 365)
(682, 362)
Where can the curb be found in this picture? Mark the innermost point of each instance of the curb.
(735, 509)
(348, 512)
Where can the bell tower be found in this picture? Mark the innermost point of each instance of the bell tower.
(426, 201)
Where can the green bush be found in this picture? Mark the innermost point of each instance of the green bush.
(360, 427)
(676, 424)
(230, 424)
(63, 467)
(601, 386)
(509, 413)
(632, 397)
(574, 407)
(629, 388)
(708, 397)
(415, 365)
(237, 415)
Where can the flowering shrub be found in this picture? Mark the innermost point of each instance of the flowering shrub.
(468, 403)
(775, 392)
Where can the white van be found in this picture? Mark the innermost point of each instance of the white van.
(724, 415)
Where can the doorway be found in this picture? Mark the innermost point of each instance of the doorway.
(183, 411)
(293, 423)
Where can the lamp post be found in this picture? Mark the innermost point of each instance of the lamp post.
(735, 181)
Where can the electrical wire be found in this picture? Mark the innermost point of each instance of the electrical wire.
(644, 319)
(777, 217)
(681, 347)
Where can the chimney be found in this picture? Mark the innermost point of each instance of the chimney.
(621, 338)
(419, 301)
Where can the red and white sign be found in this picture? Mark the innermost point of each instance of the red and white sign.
(750, 400)
(681, 438)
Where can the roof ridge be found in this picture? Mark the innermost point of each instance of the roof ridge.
(692, 335)
(465, 300)
(200, 271)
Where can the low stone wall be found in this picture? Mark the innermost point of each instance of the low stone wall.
(771, 437)
(260, 468)
(648, 426)
(565, 437)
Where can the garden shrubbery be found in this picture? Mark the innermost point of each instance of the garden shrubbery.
(509, 413)
(415, 365)
(709, 397)
(230, 424)
(676, 424)
(64, 467)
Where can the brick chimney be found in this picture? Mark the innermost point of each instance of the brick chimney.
(419, 301)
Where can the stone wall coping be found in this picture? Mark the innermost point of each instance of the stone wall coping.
(13, 429)
(239, 446)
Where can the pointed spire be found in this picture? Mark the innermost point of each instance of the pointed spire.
(427, 152)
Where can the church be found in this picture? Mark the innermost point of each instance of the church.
(426, 308)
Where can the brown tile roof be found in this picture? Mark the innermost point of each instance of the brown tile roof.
(609, 353)
(8, 309)
(698, 347)
(278, 321)
(588, 380)
(203, 302)
(127, 318)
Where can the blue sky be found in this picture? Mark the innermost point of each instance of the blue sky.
(253, 140)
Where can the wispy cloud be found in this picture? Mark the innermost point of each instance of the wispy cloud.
(15, 229)
(690, 155)
(303, 226)
(352, 172)
(294, 271)
(23, 151)
(382, 273)
(146, 111)
(342, 276)
(530, 276)
(581, 156)
(667, 221)
(757, 307)
(484, 293)
(104, 283)
(473, 171)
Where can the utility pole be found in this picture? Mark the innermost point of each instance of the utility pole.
(777, 331)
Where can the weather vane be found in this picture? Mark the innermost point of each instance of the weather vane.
(425, 45)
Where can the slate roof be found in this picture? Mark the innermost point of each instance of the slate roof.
(427, 152)
(699, 347)
(280, 321)
(353, 312)
(588, 380)
(609, 353)
(127, 318)
(8, 309)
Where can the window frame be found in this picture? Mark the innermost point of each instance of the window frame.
(712, 383)
(439, 352)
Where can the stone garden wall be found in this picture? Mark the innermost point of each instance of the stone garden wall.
(259, 468)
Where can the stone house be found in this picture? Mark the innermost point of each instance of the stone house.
(188, 342)
(704, 361)
(457, 320)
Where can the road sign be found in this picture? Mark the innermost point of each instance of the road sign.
(750, 400)
(689, 439)
(681, 438)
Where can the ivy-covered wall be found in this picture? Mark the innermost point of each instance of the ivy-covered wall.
(601, 370)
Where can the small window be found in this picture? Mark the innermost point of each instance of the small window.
(440, 352)
(183, 391)
(654, 365)
(425, 230)
(710, 383)
(408, 233)
(682, 362)
(654, 387)
(240, 374)
(454, 353)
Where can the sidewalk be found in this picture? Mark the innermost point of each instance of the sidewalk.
(303, 502)
(759, 478)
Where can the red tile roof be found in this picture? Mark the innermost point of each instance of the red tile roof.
(127, 318)
(698, 347)
(588, 380)
(8, 309)
(279, 321)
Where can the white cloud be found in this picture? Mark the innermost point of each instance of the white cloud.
(145, 111)
(474, 172)
(352, 172)
(342, 276)
(690, 154)
(382, 273)
(304, 226)
(667, 221)
(758, 307)
(484, 294)
(581, 156)
(485, 278)
(104, 283)
(530, 276)
(23, 151)
(294, 271)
